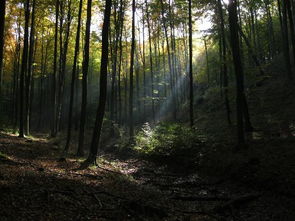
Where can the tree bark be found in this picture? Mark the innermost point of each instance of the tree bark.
(30, 71)
(285, 36)
(54, 98)
(103, 86)
(85, 76)
(131, 129)
(224, 63)
(73, 81)
(24, 67)
(63, 62)
(2, 38)
(151, 60)
(235, 45)
(191, 84)
(171, 71)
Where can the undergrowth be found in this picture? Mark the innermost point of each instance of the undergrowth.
(172, 144)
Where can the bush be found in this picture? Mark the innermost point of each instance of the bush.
(173, 144)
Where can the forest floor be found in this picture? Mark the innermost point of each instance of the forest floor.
(35, 186)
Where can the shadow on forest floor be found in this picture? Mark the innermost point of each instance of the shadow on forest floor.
(34, 186)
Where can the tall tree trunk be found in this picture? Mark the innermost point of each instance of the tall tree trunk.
(285, 34)
(2, 25)
(151, 60)
(270, 29)
(54, 98)
(74, 73)
(85, 76)
(63, 62)
(114, 67)
(24, 67)
(122, 7)
(207, 60)
(16, 76)
(291, 25)
(143, 65)
(224, 63)
(137, 72)
(171, 71)
(30, 71)
(103, 86)
(131, 130)
(191, 84)
(235, 44)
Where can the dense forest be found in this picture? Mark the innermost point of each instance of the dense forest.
(147, 110)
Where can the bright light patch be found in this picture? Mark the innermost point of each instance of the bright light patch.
(226, 2)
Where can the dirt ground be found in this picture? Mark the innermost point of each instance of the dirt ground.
(35, 186)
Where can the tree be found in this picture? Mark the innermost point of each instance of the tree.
(224, 70)
(103, 86)
(64, 45)
(131, 132)
(289, 14)
(2, 24)
(74, 73)
(114, 64)
(191, 65)
(235, 45)
(54, 98)
(121, 19)
(24, 67)
(170, 58)
(85, 76)
(285, 34)
(30, 71)
(151, 58)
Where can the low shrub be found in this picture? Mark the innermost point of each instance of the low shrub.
(173, 144)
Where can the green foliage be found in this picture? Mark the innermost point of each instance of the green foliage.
(173, 144)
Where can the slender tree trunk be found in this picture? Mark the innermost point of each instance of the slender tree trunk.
(103, 86)
(2, 25)
(16, 76)
(137, 72)
(253, 28)
(131, 130)
(143, 65)
(171, 71)
(164, 67)
(85, 76)
(61, 59)
(235, 44)
(151, 61)
(120, 61)
(54, 98)
(191, 85)
(73, 81)
(30, 71)
(291, 25)
(63, 62)
(24, 67)
(114, 67)
(224, 63)
(40, 115)
(285, 34)
(207, 61)
(270, 29)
